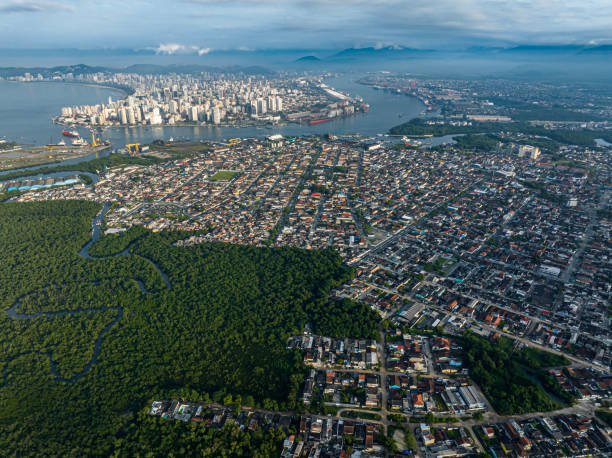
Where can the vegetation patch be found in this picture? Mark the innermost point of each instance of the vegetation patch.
(93, 166)
(223, 175)
(583, 137)
(7, 145)
(514, 380)
(154, 436)
(363, 415)
(221, 328)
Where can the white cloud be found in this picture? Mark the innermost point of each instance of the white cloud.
(322, 24)
(399, 21)
(175, 48)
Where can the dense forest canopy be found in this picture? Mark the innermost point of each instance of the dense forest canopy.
(161, 437)
(514, 380)
(220, 328)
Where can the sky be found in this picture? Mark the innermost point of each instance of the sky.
(202, 26)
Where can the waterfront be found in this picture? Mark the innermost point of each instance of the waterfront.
(25, 115)
(26, 108)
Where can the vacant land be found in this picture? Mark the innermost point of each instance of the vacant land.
(223, 175)
(19, 157)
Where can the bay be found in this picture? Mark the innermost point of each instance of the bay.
(26, 109)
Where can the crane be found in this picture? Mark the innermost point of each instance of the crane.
(133, 148)
(95, 141)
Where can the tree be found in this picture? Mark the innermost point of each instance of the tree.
(409, 438)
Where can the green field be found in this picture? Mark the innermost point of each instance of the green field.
(180, 147)
(223, 175)
(217, 326)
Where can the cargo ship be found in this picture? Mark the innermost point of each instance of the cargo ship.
(53, 145)
(71, 133)
(319, 121)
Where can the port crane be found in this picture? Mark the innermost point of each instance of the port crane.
(133, 148)
(95, 141)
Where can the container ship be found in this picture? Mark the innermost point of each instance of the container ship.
(319, 121)
(70, 133)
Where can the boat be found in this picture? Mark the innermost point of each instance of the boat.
(70, 133)
(79, 142)
(365, 107)
(53, 145)
(319, 121)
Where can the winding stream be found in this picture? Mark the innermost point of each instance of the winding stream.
(84, 252)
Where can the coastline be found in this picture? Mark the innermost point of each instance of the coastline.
(76, 83)
(188, 124)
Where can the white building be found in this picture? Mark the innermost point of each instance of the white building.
(216, 115)
(123, 116)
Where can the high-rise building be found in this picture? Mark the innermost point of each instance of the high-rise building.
(193, 113)
(262, 106)
(122, 116)
(272, 104)
(216, 115)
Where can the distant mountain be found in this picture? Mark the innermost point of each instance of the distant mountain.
(82, 69)
(378, 52)
(308, 59)
(601, 49)
(74, 52)
(79, 69)
(544, 49)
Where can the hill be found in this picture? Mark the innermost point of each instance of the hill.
(308, 59)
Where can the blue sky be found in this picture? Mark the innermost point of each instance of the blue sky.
(199, 26)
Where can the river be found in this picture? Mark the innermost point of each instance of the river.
(84, 252)
(27, 108)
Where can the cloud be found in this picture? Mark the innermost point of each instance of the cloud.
(398, 21)
(25, 6)
(315, 24)
(175, 48)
